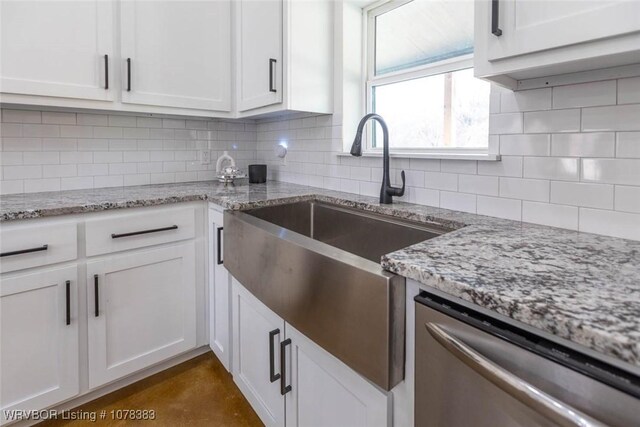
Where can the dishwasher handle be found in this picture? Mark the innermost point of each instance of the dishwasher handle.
(527, 394)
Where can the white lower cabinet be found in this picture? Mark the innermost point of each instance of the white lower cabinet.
(141, 310)
(38, 339)
(257, 333)
(311, 387)
(219, 293)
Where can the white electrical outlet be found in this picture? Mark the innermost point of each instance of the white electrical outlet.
(205, 157)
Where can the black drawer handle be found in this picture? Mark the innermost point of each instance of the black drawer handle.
(219, 245)
(25, 251)
(272, 85)
(128, 74)
(136, 233)
(284, 389)
(106, 72)
(272, 369)
(68, 300)
(495, 18)
(96, 295)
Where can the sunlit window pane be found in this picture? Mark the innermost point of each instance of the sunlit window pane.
(422, 32)
(448, 110)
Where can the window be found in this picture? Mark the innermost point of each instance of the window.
(420, 77)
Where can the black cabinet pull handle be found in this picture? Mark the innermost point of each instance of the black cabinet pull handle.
(68, 298)
(219, 244)
(128, 74)
(25, 251)
(106, 72)
(495, 18)
(135, 233)
(272, 369)
(284, 389)
(272, 85)
(96, 295)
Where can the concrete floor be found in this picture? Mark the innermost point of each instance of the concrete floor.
(199, 392)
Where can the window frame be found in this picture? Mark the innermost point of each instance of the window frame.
(370, 80)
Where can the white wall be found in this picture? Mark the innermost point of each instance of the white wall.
(52, 151)
(570, 158)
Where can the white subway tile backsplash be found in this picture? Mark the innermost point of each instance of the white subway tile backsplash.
(525, 145)
(611, 171)
(21, 116)
(108, 181)
(122, 168)
(505, 123)
(478, 184)
(612, 223)
(616, 118)
(21, 172)
(92, 119)
(549, 214)
(597, 144)
(76, 183)
(458, 201)
(441, 181)
(40, 131)
(69, 131)
(552, 121)
(628, 144)
(12, 187)
(629, 91)
(627, 199)
(107, 132)
(525, 189)
(425, 196)
(585, 94)
(60, 144)
(122, 121)
(107, 156)
(501, 208)
(459, 166)
(9, 158)
(58, 118)
(93, 169)
(558, 168)
(507, 166)
(75, 157)
(526, 100)
(40, 185)
(41, 158)
(58, 171)
(582, 194)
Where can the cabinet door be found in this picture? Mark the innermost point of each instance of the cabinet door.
(56, 48)
(257, 333)
(259, 53)
(219, 293)
(177, 53)
(532, 26)
(141, 310)
(38, 339)
(325, 392)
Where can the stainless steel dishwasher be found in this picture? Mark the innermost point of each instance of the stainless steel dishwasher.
(474, 370)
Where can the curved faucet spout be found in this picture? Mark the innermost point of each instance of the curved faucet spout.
(386, 191)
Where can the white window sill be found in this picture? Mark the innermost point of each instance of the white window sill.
(488, 157)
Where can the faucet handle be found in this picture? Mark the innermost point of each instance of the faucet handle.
(395, 191)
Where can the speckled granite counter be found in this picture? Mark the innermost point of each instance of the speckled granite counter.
(581, 287)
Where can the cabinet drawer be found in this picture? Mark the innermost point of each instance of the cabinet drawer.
(25, 245)
(120, 231)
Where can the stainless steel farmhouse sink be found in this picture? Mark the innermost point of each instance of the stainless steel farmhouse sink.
(317, 265)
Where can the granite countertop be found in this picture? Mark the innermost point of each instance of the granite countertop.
(581, 287)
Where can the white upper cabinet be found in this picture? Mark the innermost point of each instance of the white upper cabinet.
(524, 39)
(259, 52)
(57, 49)
(176, 54)
(284, 56)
